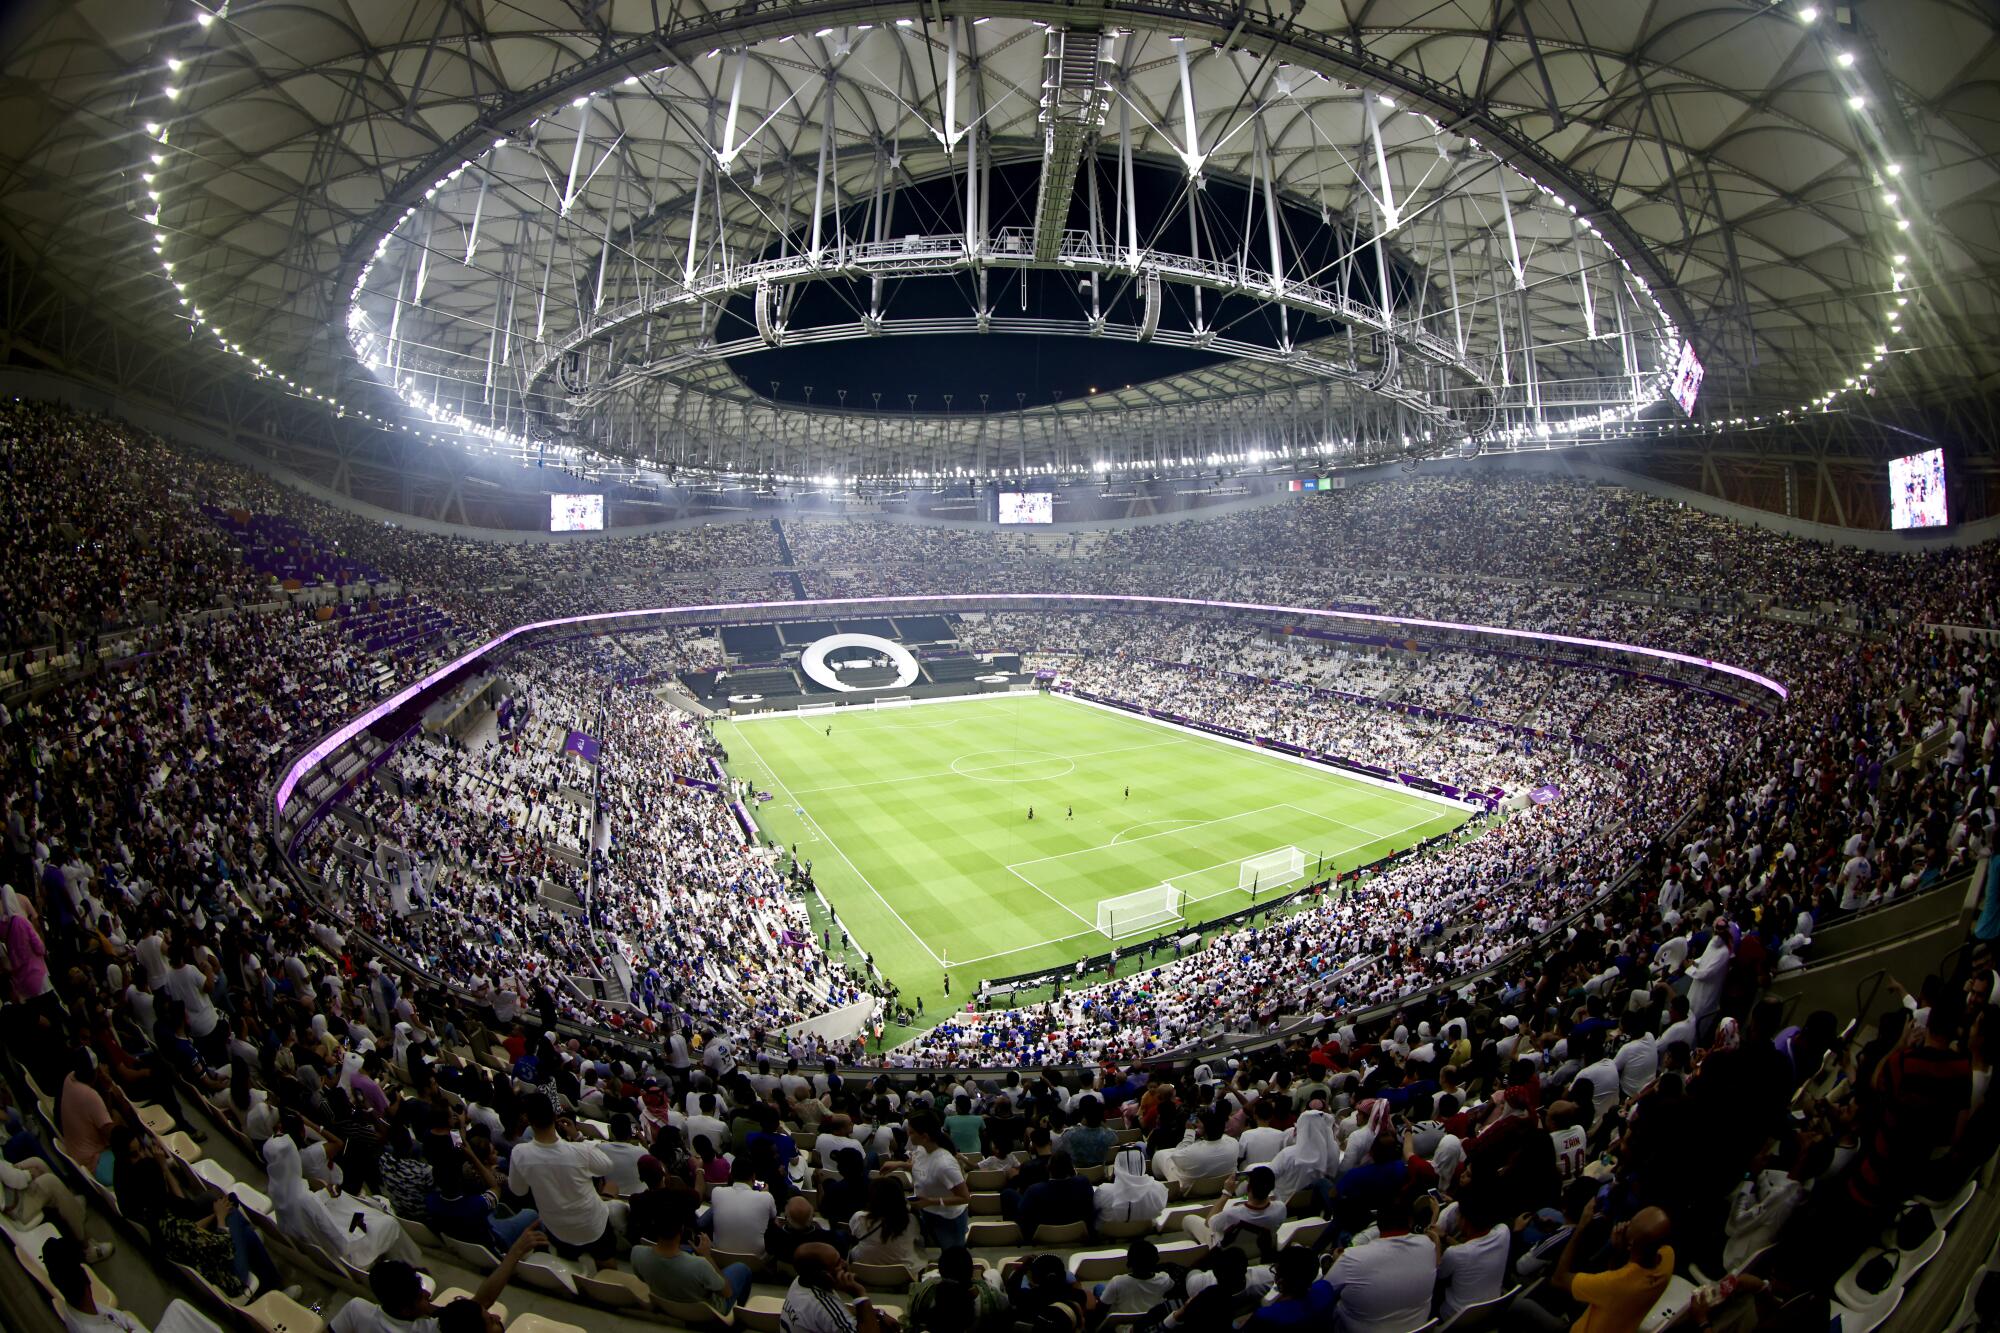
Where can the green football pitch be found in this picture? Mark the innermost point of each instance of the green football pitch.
(916, 823)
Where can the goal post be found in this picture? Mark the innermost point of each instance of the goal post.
(815, 710)
(1271, 870)
(896, 701)
(1132, 913)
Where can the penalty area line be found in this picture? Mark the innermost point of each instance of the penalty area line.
(842, 854)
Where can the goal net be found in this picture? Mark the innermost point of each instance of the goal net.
(1131, 913)
(895, 701)
(1270, 870)
(810, 710)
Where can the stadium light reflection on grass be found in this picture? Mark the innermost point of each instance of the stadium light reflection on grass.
(312, 758)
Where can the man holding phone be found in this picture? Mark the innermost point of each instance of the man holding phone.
(827, 1298)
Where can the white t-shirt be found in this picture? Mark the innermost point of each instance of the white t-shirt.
(359, 1316)
(1201, 1159)
(1385, 1285)
(1637, 1062)
(741, 1212)
(1682, 1032)
(826, 1145)
(560, 1176)
(936, 1173)
(1473, 1272)
(152, 961)
(1604, 1085)
(1239, 1213)
(104, 1321)
(624, 1173)
(1126, 1294)
(1259, 1144)
(707, 1127)
(1572, 1151)
(185, 983)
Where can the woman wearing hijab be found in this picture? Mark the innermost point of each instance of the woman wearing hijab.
(341, 1225)
(1130, 1193)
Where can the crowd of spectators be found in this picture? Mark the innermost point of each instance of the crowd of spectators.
(542, 864)
(1594, 537)
(99, 537)
(1541, 1049)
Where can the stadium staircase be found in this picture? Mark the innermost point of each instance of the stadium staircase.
(788, 561)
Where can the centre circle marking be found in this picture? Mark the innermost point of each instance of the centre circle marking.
(813, 660)
(1022, 759)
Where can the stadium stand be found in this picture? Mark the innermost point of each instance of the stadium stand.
(1709, 1041)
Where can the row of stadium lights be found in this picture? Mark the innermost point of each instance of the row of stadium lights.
(367, 345)
(1844, 61)
(151, 171)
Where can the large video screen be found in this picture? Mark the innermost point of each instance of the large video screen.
(576, 513)
(1916, 491)
(1027, 507)
(1687, 379)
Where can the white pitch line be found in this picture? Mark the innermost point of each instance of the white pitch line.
(1064, 939)
(1052, 898)
(1369, 838)
(1041, 944)
(1147, 824)
(985, 768)
(1163, 833)
(1266, 756)
(1372, 835)
(837, 851)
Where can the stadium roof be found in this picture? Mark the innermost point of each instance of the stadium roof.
(1556, 192)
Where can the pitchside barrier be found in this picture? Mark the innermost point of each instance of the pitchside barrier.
(921, 692)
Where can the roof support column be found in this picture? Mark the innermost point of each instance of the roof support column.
(1507, 215)
(1128, 203)
(694, 221)
(819, 173)
(576, 155)
(478, 210)
(604, 247)
(1583, 281)
(728, 154)
(1386, 199)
